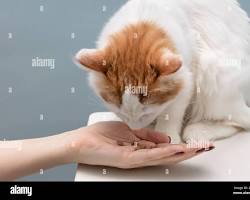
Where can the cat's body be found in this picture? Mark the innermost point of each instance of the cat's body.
(206, 78)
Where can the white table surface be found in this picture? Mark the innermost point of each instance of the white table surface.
(229, 161)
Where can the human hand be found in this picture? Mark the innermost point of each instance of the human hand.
(115, 144)
(107, 143)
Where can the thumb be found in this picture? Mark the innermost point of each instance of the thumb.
(152, 136)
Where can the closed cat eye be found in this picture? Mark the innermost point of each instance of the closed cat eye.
(154, 68)
(143, 99)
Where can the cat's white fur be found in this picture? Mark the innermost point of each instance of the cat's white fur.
(212, 37)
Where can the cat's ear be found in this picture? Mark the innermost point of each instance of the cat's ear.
(92, 59)
(169, 63)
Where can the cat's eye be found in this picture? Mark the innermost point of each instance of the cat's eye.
(144, 99)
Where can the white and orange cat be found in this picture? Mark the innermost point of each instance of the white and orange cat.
(191, 56)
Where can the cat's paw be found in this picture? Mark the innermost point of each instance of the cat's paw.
(193, 135)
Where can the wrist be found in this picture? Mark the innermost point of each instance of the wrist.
(72, 144)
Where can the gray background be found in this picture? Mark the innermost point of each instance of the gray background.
(38, 91)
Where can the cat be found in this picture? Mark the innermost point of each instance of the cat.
(191, 58)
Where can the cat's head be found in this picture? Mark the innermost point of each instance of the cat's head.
(135, 73)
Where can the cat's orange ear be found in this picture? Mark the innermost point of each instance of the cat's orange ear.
(91, 59)
(169, 63)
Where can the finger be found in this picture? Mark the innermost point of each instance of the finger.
(186, 147)
(142, 144)
(199, 144)
(173, 154)
(116, 131)
(143, 156)
(179, 157)
(152, 136)
(126, 138)
(169, 160)
(121, 143)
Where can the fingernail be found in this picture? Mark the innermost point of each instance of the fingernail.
(205, 149)
(169, 139)
(179, 153)
(201, 150)
(210, 148)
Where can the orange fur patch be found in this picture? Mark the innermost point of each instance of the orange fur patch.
(133, 57)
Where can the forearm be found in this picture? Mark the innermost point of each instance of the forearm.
(23, 157)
